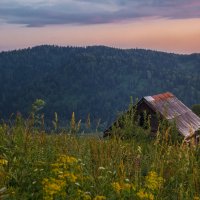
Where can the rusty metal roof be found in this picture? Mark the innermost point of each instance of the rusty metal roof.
(173, 109)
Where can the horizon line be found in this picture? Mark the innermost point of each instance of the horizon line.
(94, 45)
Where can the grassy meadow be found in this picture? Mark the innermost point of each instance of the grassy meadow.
(62, 165)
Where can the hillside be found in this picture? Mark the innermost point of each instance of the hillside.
(97, 80)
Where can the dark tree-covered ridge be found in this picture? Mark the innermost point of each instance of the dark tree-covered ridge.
(98, 80)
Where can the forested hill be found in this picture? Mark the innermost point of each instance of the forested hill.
(97, 80)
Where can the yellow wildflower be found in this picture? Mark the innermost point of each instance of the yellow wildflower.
(56, 165)
(67, 159)
(116, 186)
(126, 186)
(153, 181)
(57, 171)
(71, 177)
(100, 198)
(144, 195)
(65, 172)
(3, 162)
(53, 187)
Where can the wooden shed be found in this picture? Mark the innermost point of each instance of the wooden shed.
(170, 108)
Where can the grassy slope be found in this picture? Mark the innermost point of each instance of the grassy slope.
(34, 165)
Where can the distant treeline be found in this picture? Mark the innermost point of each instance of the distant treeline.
(97, 80)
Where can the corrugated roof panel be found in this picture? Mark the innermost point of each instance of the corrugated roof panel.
(149, 98)
(163, 96)
(173, 109)
(170, 107)
(188, 123)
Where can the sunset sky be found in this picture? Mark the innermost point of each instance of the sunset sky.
(165, 25)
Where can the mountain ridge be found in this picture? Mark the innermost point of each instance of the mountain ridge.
(94, 46)
(96, 79)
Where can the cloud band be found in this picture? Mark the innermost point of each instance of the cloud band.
(46, 12)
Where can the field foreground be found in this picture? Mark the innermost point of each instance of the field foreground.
(36, 165)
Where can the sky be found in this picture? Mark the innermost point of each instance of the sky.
(163, 25)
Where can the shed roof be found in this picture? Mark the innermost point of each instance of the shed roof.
(173, 109)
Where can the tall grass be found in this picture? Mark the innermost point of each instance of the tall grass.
(36, 165)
